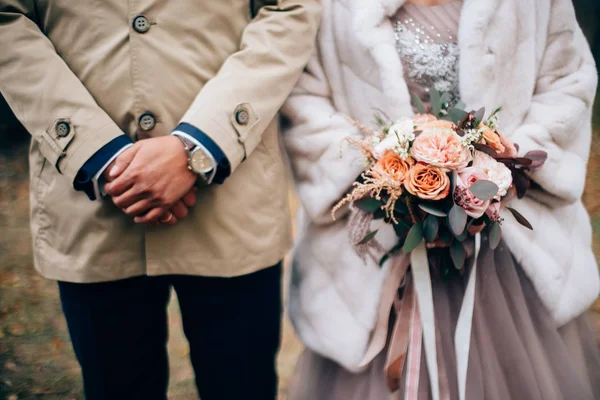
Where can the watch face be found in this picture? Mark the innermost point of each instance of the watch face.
(200, 162)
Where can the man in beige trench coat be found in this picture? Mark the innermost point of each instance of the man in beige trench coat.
(155, 163)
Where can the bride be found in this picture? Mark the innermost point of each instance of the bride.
(530, 338)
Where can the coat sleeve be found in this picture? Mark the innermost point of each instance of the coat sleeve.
(238, 104)
(324, 166)
(45, 95)
(559, 118)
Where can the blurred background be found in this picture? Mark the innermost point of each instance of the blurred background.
(36, 359)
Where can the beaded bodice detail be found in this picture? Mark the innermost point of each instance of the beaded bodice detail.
(429, 48)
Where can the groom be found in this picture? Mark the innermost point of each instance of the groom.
(164, 113)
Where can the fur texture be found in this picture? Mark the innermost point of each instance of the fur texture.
(528, 57)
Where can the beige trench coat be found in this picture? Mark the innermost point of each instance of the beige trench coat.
(199, 62)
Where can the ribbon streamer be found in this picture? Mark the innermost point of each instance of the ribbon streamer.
(462, 336)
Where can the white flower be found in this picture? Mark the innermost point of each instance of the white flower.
(389, 143)
(471, 136)
(496, 172)
(403, 130)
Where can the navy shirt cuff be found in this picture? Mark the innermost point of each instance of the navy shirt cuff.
(83, 180)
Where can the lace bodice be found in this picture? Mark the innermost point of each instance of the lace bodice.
(426, 40)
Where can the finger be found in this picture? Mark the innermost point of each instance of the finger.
(171, 221)
(152, 215)
(138, 208)
(122, 161)
(119, 186)
(190, 199)
(106, 175)
(179, 210)
(127, 199)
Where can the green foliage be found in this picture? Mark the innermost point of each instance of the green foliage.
(520, 218)
(431, 226)
(484, 190)
(414, 237)
(495, 235)
(368, 204)
(368, 237)
(457, 219)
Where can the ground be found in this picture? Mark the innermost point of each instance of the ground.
(36, 359)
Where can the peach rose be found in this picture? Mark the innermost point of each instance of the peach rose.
(436, 124)
(440, 146)
(492, 139)
(421, 119)
(393, 165)
(464, 198)
(510, 150)
(427, 182)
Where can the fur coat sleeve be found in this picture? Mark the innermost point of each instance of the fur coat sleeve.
(324, 166)
(559, 117)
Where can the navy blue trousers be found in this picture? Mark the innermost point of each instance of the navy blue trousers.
(119, 333)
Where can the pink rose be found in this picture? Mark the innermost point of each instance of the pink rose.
(464, 198)
(440, 146)
(493, 211)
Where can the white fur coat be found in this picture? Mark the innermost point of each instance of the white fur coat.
(529, 57)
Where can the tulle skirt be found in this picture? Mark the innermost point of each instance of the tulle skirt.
(517, 352)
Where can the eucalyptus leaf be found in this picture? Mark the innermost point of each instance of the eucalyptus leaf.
(444, 99)
(435, 102)
(419, 104)
(484, 190)
(379, 214)
(461, 105)
(369, 237)
(368, 204)
(445, 235)
(479, 114)
(458, 254)
(456, 115)
(401, 208)
(431, 226)
(463, 236)
(433, 210)
(520, 218)
(414, 237)
(401, 228)
(457, 219)
(495, 235)
(390, 253)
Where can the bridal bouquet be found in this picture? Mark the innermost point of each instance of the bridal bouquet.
(439, 176)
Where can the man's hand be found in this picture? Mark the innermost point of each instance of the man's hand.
(151, 179)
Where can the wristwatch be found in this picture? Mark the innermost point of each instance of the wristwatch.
(200, 160)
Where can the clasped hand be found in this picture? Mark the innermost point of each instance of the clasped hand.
(151, 181)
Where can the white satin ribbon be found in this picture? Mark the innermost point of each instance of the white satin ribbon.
(462, 336)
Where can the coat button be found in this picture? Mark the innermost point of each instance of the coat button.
(62, 129)
(141, 24)
(242, 116)
(147, 121)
